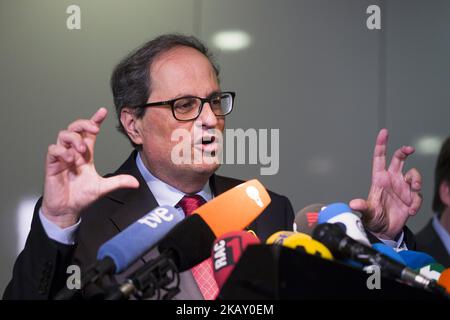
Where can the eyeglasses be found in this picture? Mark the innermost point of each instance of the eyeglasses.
(189, 108)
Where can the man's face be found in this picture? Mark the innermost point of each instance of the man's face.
(182, 71)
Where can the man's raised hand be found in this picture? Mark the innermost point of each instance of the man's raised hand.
(71, 180)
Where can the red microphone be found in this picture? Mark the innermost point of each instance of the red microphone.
(226, 252)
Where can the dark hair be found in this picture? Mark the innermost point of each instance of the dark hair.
(130, 80)
(441, 174)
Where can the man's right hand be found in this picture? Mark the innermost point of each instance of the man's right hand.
(71, 181)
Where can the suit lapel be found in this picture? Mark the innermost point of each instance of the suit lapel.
(434, 245)
(219, 184)
(135, 202)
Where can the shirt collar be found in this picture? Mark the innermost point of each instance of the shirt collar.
(441, 232)
(398, 244)
(166, 194)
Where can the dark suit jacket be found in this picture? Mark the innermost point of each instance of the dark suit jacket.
(428, 241)
(40, 269)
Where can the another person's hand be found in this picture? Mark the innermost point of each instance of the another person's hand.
(393, 196)
(71, 181)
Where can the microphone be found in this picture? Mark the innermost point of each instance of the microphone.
(423, 263)
(279, 237)
(306, 219)
(420, 262)
(126, 247)
(226, 252)
(189, 243)
(233, 210)
(241, 205)
(444, 280)
(129, 245)
(416, 259)
(343, 246)
(303, 242)
(432, 271)
(341, 214)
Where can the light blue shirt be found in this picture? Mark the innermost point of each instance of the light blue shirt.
(54, 232)
(397, 245)
(441, 232)
(163, 193)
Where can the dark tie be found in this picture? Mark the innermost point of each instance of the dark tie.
(203, 272)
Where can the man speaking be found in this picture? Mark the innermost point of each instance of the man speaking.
(169, 83)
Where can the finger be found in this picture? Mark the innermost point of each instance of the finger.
(360, 205)
(416, 203)
(118, 182)
(72, 139)
(56, 153)
(414, 179)
(379, 153)
(398, 160)
(99, 116)
(84, 125)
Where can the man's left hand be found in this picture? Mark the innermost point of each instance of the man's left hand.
(393, 196)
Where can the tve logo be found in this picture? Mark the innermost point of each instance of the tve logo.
(156, 217)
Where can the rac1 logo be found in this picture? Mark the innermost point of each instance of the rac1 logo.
(156, 217)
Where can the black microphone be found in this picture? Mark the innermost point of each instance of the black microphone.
(342, 246)
(185, 246)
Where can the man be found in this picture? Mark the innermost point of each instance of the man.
(434, 238)
(169, 83)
